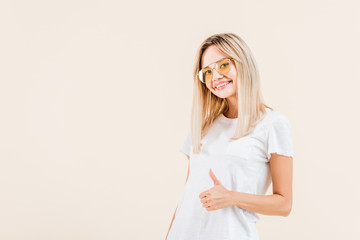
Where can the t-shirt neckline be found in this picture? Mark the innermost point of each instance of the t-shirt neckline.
(233, 120)
(226, 119)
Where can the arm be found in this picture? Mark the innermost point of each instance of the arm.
(176, 206)
(280, 202)
(171, 223)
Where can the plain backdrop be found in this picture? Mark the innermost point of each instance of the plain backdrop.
(95, 101)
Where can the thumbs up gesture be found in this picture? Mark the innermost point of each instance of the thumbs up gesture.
(216, 197)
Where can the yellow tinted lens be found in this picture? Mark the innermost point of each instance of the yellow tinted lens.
(223, 66)
(205, 75)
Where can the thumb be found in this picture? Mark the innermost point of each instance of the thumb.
(215, 180)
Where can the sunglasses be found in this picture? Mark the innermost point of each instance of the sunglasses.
(222, 67)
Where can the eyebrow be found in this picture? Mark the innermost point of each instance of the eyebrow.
(216, 61)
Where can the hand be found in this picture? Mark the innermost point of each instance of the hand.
(216, 197)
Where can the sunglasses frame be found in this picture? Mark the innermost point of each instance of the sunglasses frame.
(217, 62)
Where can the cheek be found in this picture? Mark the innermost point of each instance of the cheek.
(233, 77)
(233, 74)
(235, 83)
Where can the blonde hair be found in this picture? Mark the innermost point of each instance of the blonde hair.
(206, 108)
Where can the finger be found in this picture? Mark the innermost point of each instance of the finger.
(201, 195)
(211, 208)
(204, 194)
(214, 178)
(207, 204)
(205, 200)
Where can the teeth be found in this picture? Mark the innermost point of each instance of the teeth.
(222, 84)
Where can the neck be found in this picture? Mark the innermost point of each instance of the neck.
(229, 114)
(233, 108)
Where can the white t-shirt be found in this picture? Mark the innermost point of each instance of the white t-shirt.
(241, 165)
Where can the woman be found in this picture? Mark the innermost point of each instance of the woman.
(236, 146)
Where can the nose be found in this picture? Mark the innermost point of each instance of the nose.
(215, 74)
(215, 77)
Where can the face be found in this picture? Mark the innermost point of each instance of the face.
(211, 55)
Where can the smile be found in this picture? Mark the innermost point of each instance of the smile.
(223, 85)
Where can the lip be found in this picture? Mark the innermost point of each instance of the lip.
(218, 83)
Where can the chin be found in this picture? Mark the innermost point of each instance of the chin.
(225, 94)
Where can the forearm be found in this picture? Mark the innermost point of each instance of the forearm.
(171, 223)
(264, 204)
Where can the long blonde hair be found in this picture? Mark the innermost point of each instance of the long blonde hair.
(206, 108)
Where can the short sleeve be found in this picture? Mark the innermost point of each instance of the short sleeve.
(280, 137)
(185, 147)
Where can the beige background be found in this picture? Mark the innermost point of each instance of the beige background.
(95, 102)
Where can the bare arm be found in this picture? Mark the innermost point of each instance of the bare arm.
(280, 202)
(176, 206)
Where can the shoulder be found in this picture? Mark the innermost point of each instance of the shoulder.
(274, 117)
(278, 126)
(273, 121)
(279, 136)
